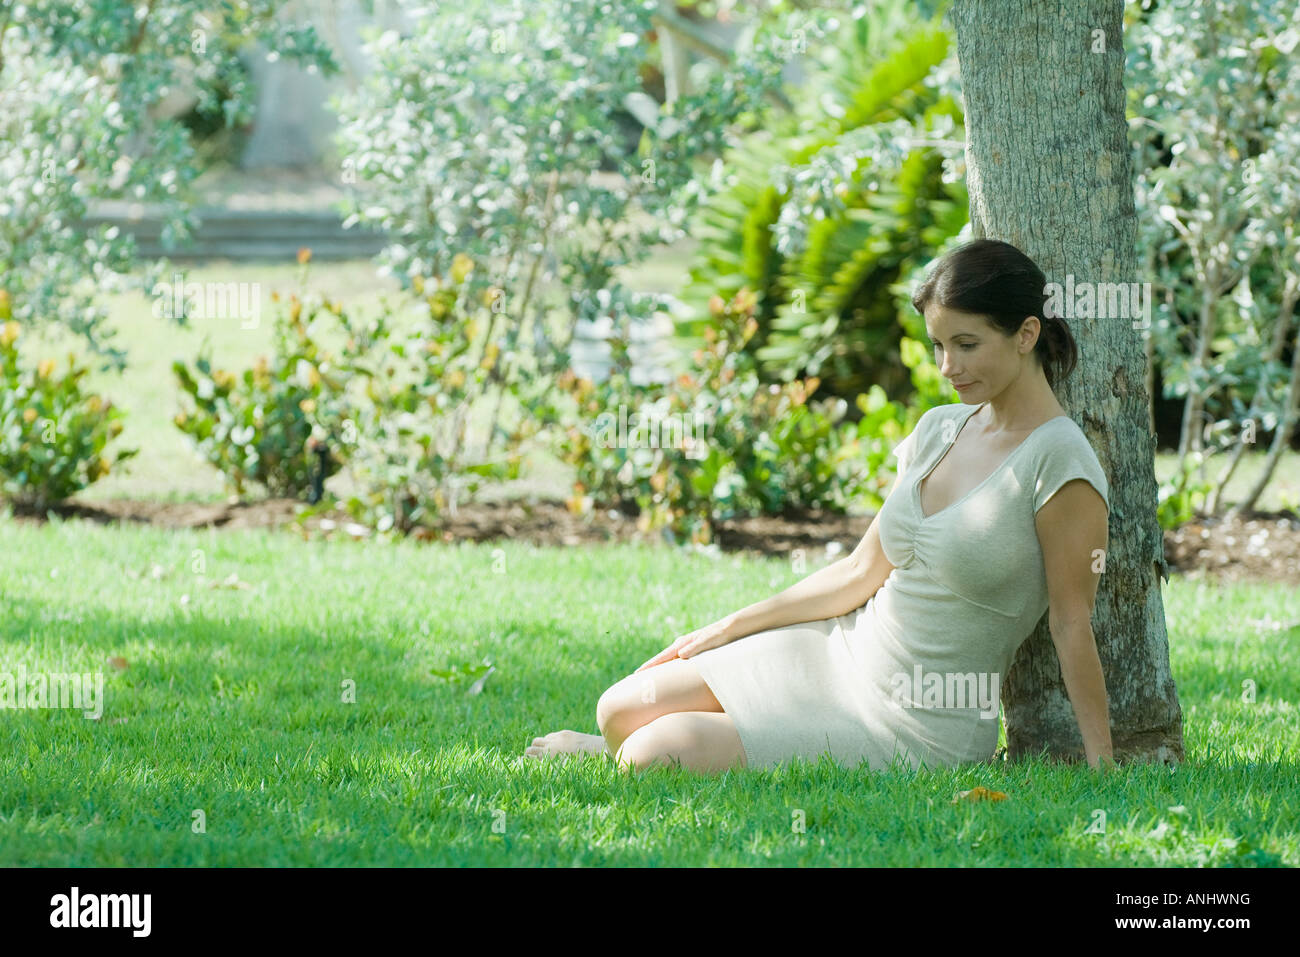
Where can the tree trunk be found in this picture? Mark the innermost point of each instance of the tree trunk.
(1149, 357)
(1048, 171)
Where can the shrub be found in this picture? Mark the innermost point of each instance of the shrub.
(84, 118)
(820, 211)
(52, 435)
(422, 366)
(1180, 497)
(392, 408)
(265, 425)
(740, 446)
(480, 133)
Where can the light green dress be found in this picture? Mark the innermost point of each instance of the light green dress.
(914, 673)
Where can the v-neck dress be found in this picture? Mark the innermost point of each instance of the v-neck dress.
(887, 682)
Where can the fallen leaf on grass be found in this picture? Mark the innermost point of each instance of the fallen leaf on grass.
(477, 686)
(979, 794)
(460, 672)
(117, 663)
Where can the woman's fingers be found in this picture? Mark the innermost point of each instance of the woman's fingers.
(668, 654)
(657, 659)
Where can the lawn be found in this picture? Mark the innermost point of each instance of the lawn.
(232, 704)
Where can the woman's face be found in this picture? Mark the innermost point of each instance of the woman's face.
(974, 356)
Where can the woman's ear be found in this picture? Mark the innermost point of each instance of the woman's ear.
(1030, 330)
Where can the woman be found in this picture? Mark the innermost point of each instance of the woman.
(897, 652)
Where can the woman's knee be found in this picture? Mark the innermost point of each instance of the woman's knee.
(703, 741)
(623, 706)
(640, 698)
(607, 708)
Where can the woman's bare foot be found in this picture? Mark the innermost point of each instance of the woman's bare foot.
(559, 743)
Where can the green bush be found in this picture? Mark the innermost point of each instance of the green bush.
(821, 211)
(392, 407)
(740, 447)
(263, 426)
(84, 119)
(414, 457)
(1179, 497)
(52, 435)
(519, 198)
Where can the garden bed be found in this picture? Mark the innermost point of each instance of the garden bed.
(1262, 546)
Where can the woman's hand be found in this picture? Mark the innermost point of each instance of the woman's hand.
(701, 639)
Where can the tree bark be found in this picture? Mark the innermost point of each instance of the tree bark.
(1049, 171)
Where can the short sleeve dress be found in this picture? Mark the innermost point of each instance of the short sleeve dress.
(914, 674)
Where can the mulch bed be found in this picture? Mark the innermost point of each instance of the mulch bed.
(1260, 546)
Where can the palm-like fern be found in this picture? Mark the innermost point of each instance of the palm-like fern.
(825, 305)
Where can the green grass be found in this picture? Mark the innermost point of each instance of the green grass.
(233, 705)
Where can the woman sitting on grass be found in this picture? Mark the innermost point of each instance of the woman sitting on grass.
(897, 651)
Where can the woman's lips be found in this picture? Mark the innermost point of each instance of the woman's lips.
(966, 385)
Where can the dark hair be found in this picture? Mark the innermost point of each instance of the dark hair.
(993, 279)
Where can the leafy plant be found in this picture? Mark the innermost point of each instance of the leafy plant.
(716, 442)
(414, 455)
(1180, 498)
(52, 435)
(458, 673)
(392, 407)
(483, 134)
(281, 424)
(1213, 105)
(81, 84)
(821, 213)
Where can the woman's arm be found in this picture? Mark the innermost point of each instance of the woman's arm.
(832, 591)
(1076, 649)
(1072, 531)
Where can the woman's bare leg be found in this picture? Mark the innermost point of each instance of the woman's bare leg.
(630, 704)
(635, 701)
(702, 741)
